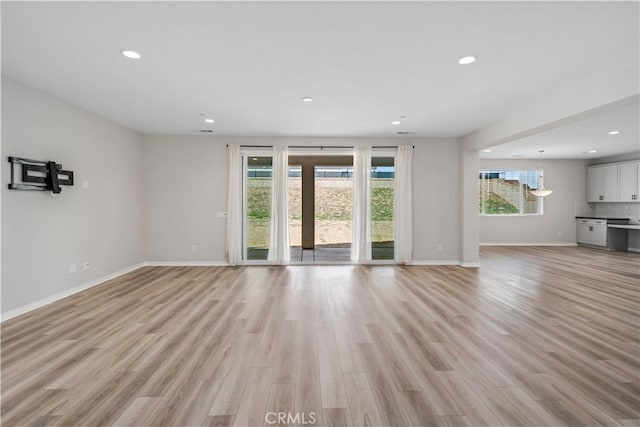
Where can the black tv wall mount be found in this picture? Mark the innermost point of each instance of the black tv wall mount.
(38, 175)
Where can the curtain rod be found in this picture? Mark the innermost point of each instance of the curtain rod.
(322, 147)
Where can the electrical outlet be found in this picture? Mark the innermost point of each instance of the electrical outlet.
(559, 233)
(194, 248)
(86, 265)
(85, 184)
(440, 247)
(73, 269)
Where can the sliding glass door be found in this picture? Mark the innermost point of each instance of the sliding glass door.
(326, 220)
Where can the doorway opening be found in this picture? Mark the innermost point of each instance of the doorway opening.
(320, 191)
(333, 213)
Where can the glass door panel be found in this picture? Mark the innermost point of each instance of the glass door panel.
(294, 187)
(382, 208)
(258, 188)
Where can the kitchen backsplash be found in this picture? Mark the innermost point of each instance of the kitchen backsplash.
(618, 210)
(584, 209)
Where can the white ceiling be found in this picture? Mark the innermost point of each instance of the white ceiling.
(573, 141)
(248, 65)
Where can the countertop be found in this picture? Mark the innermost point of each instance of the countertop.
(626, 226)
(602, 217)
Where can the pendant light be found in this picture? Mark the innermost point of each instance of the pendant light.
(541, 191)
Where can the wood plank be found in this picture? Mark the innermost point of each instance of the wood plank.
(536, 336)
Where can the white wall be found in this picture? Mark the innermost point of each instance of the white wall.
(185, 180)
(43, 235)
(567, 179)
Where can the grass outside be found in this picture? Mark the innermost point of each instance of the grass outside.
(333, 211)
(494, 204)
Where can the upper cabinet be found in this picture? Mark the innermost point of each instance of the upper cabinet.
(617, 182)
(595, 184)
(628, 182)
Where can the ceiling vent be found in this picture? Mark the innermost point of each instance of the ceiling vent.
(405, 133)
(204, 130)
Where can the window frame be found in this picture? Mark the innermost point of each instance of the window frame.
(481, 180)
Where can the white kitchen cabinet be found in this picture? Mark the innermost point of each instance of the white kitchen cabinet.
(595, 184)
(611, 183)
(592, 232)
(617, 182)
(628, 182)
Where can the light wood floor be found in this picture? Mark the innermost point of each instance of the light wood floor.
(537, 336)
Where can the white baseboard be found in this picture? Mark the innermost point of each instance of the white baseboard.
(470, 264)
(630, 249)
(529, 244)
(185, 264)
(67, 292)
(225, 264)
(434, 262)
(445, 262)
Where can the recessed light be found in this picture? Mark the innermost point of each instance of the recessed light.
(307, 99)
(592, 151)
(487, 150)
(131, 54)
(209, 120)
(466, 60)
(614, 132)
(395, 122)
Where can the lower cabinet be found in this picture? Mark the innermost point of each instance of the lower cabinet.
(592, 232)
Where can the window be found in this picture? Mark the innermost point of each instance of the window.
(508, 192)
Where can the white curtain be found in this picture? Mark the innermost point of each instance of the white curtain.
(234, 206)
(404, 204)
(361, 225)
(279, 240)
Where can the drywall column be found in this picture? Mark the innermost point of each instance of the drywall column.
(469, 238)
